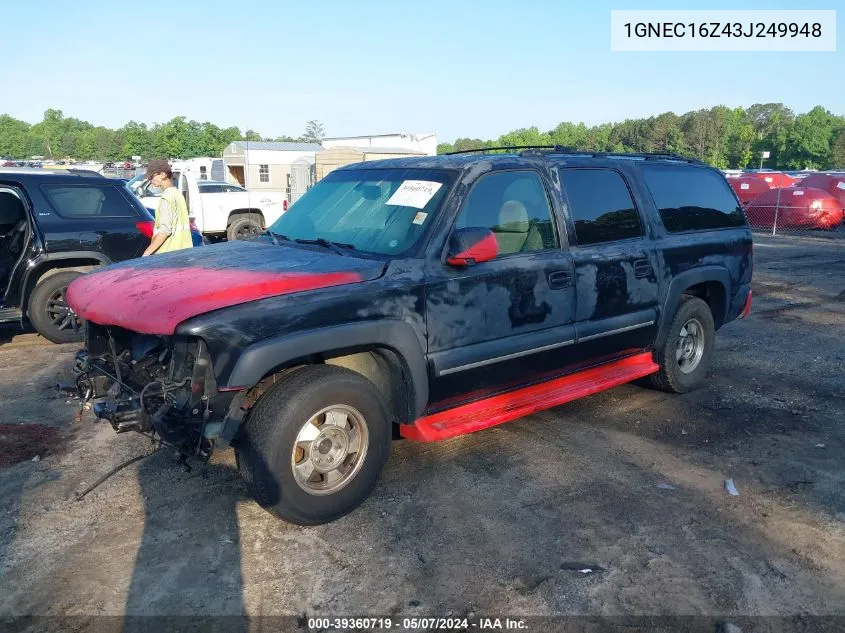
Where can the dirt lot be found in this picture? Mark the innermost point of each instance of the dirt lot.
(497, 523)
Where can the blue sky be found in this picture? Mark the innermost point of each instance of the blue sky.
(460, 68)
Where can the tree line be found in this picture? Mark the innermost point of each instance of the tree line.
(721, 136)
(60, 137)
(724, 137)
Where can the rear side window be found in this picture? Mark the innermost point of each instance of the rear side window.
(692, 199)
(88, 201)
(600, 205)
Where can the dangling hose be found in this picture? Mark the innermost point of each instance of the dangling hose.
(113, 471)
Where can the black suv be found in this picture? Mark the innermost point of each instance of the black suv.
(420, 298)
(55, 225)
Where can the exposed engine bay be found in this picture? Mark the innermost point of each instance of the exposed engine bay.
(160, 386)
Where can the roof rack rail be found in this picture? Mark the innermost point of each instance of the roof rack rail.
(559, 149)
(491, 149)
(544, 150)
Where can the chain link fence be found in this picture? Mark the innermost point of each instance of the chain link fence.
(776, 204)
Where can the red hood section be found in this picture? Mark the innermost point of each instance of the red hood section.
(156, 300)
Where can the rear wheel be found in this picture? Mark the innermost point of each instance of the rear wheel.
(314, 444)
(688, 351)
(244, 227)
(49, 312)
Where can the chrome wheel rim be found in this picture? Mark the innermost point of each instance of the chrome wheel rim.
(330, 449)
(61, 315)
(690, 346)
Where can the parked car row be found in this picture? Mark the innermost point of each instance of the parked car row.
(812, 201)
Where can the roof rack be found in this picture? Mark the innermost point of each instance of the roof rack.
(492, 149)
(82, 173)
(544, 150)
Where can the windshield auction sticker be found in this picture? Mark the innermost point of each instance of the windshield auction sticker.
(414, 193)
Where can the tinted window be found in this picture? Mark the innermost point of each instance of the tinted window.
(210, 188)
(514, 205)
(84, 201)
(692, 199)
(600, 206)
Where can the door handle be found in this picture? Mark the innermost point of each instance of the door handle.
(642, 268)
(560, 279)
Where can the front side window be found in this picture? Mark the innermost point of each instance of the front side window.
(88, 201)
(600, 206)
(211, 188)
(514, 205)
(692, 198)
(381, 211)
(264, 173)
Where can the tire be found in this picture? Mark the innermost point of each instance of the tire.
(692, 320)
(268, 453)
(47, 303)
(244, 227)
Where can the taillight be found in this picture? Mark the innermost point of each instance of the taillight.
(747, 309)
(146, 227)
(284, 205)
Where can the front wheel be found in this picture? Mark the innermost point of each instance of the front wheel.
(688, 351)
(314, 444)
(49, 312)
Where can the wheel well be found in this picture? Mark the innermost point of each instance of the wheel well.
(50, 268)
(233, 215)
(713, 293)
(381, 366)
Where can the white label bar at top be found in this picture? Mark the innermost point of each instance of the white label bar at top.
(723, 30)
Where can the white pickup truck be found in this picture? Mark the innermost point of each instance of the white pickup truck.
(219, 208)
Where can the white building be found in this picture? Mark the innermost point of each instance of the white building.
(422, 142)
(265, 165)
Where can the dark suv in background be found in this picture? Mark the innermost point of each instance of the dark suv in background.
(54, 226)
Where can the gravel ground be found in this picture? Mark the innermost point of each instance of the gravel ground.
(628, 483)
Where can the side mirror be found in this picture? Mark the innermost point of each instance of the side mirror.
(472, 245)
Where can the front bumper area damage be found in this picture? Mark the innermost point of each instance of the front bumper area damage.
(161, 386)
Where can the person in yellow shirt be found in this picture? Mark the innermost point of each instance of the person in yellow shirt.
(172, 230)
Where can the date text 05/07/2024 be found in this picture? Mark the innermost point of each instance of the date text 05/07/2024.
(417, 624)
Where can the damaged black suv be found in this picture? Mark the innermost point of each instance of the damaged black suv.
(420, 298)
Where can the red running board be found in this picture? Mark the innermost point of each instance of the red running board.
(482, 414)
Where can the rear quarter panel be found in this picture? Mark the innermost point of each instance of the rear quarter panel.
(690, 257)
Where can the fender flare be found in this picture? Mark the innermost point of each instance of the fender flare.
(685, 280)
(260, 358)
(34, 271)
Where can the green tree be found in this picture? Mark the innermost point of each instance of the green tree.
(837, 150)
(314, 132)
(808, 143)
(13, 137)
(525, 136)
(137, 140)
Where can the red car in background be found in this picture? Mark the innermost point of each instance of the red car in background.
(748, 187)
(834, 184)
(795, 207)
(774, 179)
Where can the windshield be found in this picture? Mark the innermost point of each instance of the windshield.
(143, 189)
(383, 211)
